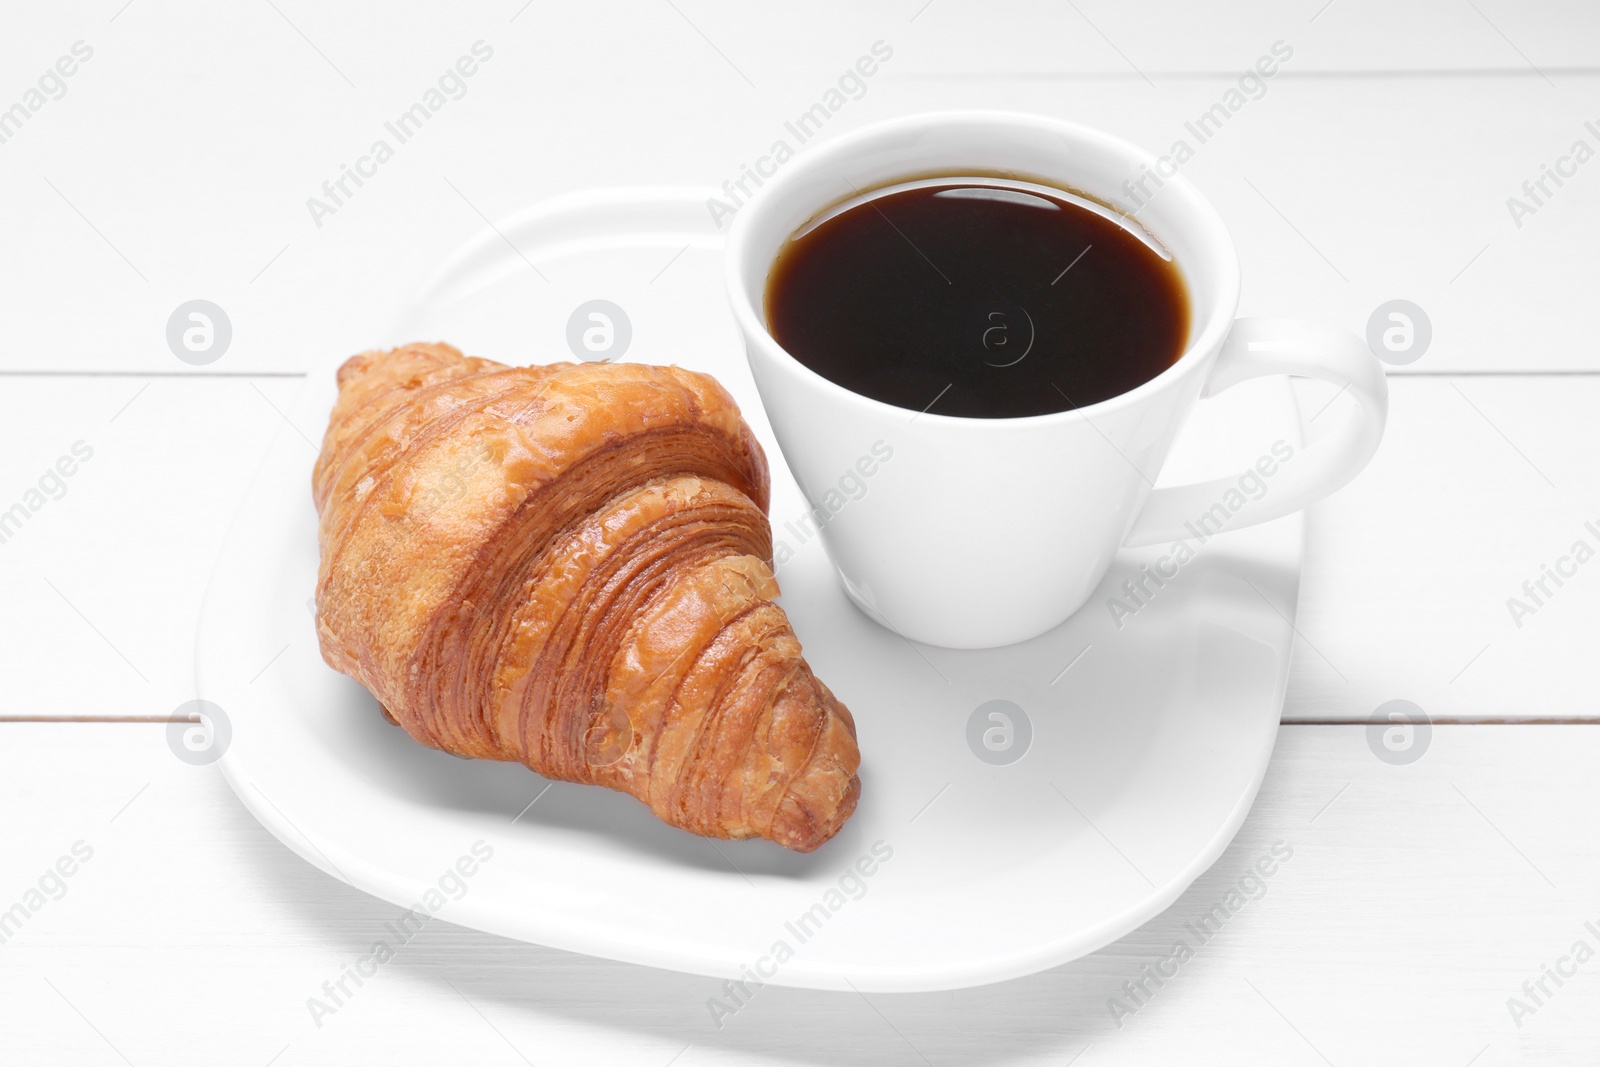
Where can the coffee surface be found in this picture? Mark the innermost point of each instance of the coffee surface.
(977, 300)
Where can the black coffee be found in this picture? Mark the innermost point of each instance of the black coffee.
(978, 300)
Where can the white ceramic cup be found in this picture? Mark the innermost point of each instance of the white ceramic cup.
(973, 533)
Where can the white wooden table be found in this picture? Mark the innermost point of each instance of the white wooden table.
(175, 163)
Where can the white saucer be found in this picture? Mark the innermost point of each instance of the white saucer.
(1148, 741)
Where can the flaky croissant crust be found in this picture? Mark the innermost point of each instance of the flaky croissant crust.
(569, 566)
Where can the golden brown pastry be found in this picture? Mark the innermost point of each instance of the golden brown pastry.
(567, 566)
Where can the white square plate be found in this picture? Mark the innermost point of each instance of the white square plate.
(1139, 743)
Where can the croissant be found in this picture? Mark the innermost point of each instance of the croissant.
(568, 566)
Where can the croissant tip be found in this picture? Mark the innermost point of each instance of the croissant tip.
(802, 828)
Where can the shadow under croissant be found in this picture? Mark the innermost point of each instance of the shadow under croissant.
(440, 780)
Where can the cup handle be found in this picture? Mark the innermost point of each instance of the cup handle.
(1259, 348)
